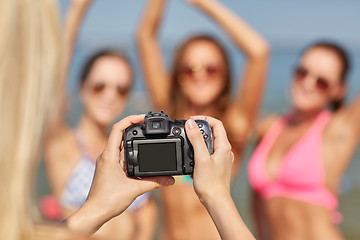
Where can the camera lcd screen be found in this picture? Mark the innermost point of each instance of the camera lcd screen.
(154, 157)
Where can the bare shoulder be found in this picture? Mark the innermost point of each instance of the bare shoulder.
(60, 156)
(264, 125)
(62, 146)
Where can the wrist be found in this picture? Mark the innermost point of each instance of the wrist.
(214, 198)
(87, 219)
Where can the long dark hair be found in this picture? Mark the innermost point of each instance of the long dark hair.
(89, 63)
(345, 61)
(179, 101)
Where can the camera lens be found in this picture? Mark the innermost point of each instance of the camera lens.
(156, 125)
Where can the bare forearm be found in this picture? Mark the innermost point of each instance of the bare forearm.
(347, 118)
(243, 35)
(149, 24)
(255, 47)
(74, 17)
(87, 220)
(151, 58)
(226, 217)
(251, 88)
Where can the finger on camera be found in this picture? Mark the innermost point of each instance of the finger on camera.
(196, 138)
(116, 133)
(151, 183)
(220, 140)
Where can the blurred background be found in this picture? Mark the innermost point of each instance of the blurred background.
(288, 26)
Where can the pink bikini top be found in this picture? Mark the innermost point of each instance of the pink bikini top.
(301, 175)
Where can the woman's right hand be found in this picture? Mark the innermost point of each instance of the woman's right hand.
(212, 175)
(212, 172)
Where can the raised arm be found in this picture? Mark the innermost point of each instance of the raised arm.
(74, 17)
(342, 135)
(256, 50)
(348, 118)
(152, 62)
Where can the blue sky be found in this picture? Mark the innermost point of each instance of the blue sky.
(285, 24)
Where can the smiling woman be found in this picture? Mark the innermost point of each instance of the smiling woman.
(296, 169)
(70, 154)
(105, 83)
(332, 66)
(31, 85)
(199, 83)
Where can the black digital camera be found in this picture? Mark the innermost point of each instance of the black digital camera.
(160, 147)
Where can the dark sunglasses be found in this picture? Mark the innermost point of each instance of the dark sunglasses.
(210, 70)
(301, 73)
(99, 88)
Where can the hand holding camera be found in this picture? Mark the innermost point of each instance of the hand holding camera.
(111, 190)
(160, 147)
(213, 172)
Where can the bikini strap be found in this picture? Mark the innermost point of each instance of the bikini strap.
(324, 118)
(319, 124)
(274, 130)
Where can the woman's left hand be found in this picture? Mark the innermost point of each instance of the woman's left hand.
(111, 190)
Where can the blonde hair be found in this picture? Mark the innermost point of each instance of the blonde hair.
(31, 82)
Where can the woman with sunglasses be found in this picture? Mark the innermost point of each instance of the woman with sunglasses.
(200, 83)
(31, 85)
(297, 167)
(70, 154)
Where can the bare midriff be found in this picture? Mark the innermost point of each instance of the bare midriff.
(296, 220)
(185, 217)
